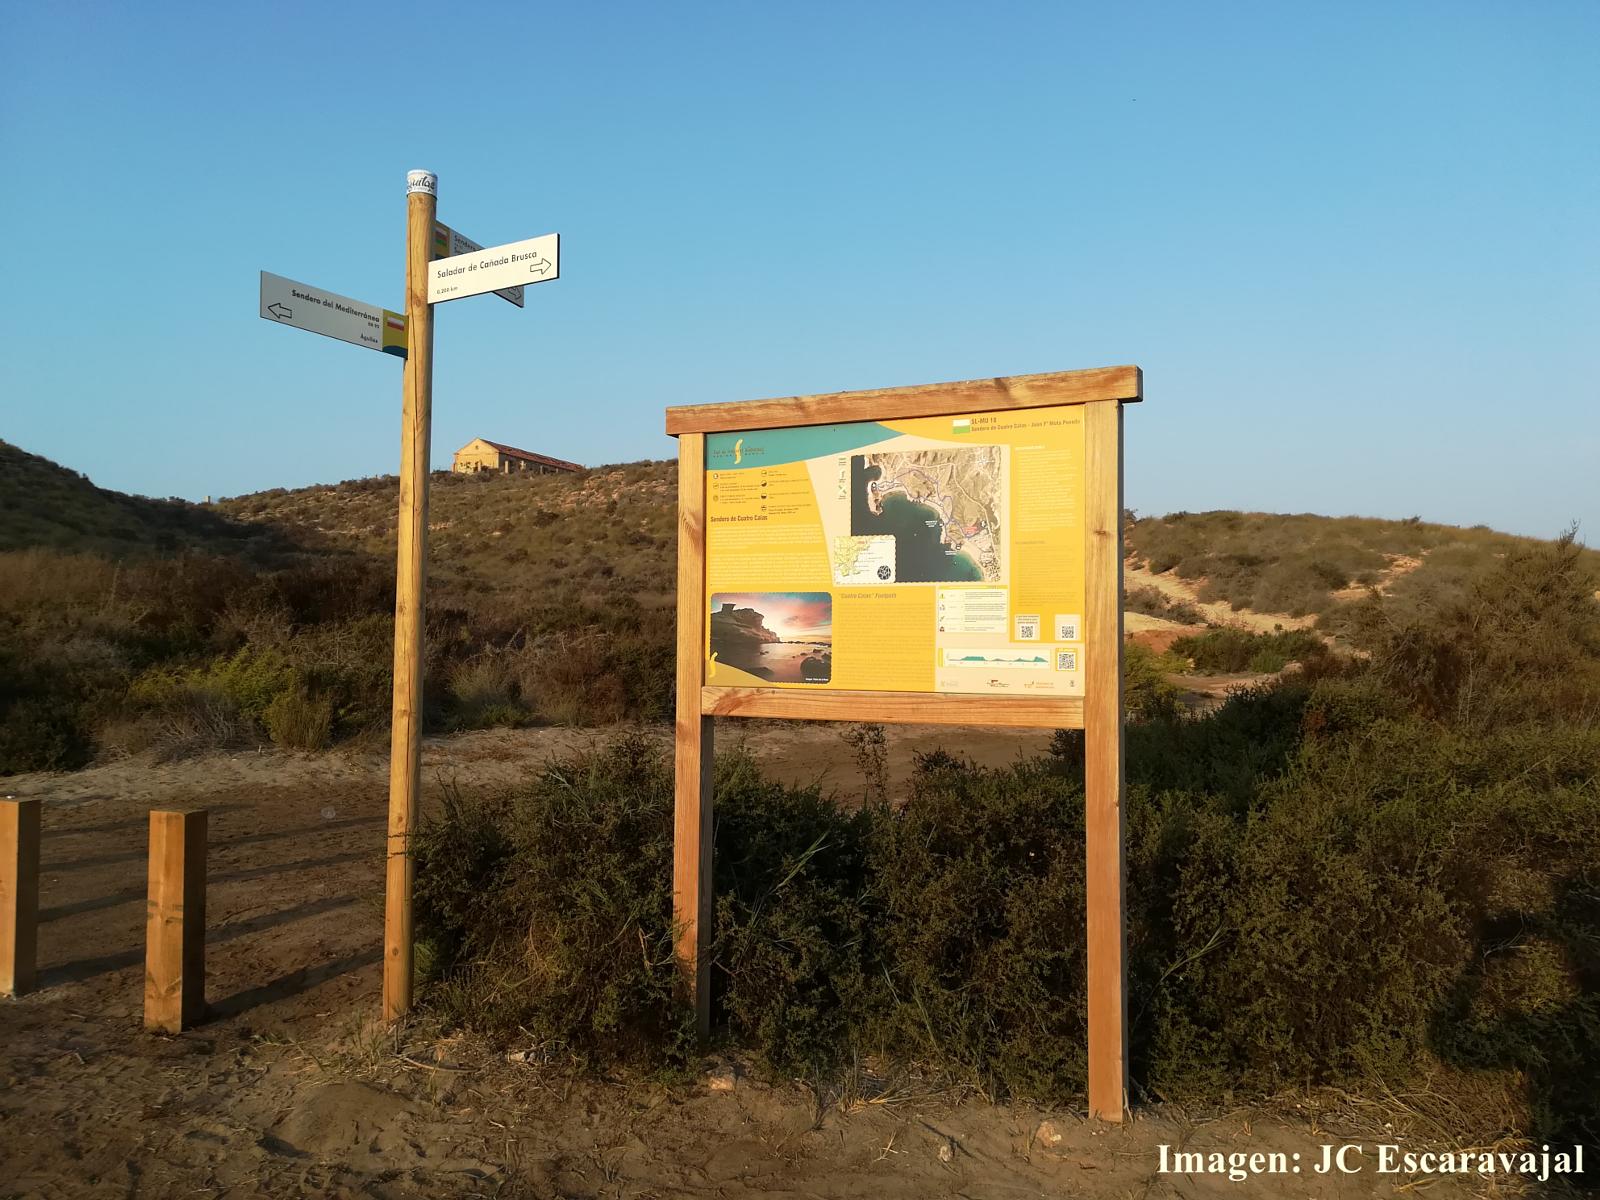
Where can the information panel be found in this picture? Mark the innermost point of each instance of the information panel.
(940, 554)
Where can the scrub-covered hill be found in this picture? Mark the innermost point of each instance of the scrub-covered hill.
(44, 504)
(1301, 569)
(550, 601)
(132, 625)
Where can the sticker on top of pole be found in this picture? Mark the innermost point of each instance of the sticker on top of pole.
(537, 260)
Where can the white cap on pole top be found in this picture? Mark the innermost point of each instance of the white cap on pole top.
(422, 181)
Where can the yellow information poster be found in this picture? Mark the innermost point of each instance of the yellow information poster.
(941, 554)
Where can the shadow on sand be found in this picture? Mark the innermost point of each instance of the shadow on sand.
(87, 968)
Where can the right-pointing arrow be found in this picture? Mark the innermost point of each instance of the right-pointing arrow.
(279, 311)
(539, 267)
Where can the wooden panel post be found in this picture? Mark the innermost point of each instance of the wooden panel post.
(691, 829)
(411, 553)
(175, 922)
(19, 895)
(1103, 815)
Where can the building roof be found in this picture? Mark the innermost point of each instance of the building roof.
(559, 464)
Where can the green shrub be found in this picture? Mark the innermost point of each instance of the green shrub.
(1222, 651)
(1519, 642)
(1147, 693)
(795, 949)
(981, 876)
(549, 913)
(1228, 756)
(483, 691)
(1323, 885)
(248, 681)
(41, 733)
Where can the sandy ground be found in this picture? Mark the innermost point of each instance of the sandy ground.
(290, 1088)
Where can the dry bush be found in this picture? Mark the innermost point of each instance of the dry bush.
(1520, 642)
(485, 692)
(1153, 602)
(569, 681)
(297, 720)
(36, 578)
(198, 720)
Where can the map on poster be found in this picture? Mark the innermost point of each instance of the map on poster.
(940, 554)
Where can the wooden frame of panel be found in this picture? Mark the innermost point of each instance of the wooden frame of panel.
(1102, 391)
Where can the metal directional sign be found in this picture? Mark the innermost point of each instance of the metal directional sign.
(448, 242)
(305, 307)
(536, 260)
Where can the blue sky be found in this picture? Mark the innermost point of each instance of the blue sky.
(1353, 246)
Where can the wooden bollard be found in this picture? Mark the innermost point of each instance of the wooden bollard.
(175, 922)
(19, 895)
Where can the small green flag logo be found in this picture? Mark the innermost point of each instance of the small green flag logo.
(961, 425)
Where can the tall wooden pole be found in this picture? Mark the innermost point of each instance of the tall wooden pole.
(1103, 761)
(405, 736)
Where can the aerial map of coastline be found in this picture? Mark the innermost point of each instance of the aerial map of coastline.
(941, 506)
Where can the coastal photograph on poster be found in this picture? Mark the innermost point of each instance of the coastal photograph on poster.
(782, 637)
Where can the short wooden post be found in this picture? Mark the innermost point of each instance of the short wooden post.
(19, 895)
(1103, 813)
(175, 922)
(411, 557)
(691, 837)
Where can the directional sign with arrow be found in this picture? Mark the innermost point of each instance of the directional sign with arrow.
(448, 242)
(305, 307)
(536, 260)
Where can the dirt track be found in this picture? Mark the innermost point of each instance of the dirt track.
(289, 1089)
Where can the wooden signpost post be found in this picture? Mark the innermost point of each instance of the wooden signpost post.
(441, 264)
(411, 561)
(945, 554)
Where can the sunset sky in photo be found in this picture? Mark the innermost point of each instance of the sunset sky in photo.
(793, 616)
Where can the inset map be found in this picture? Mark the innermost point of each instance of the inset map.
(863, 559)
(942, 507)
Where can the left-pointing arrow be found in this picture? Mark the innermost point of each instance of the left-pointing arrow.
(279, 311)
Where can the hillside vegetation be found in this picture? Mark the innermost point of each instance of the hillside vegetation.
(1303, 565)
(131, 625)
(1378, 873)
(46, 505)
(271, 616)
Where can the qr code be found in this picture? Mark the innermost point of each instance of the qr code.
(1066, 660)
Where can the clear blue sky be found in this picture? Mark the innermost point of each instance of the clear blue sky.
(1353, 246)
